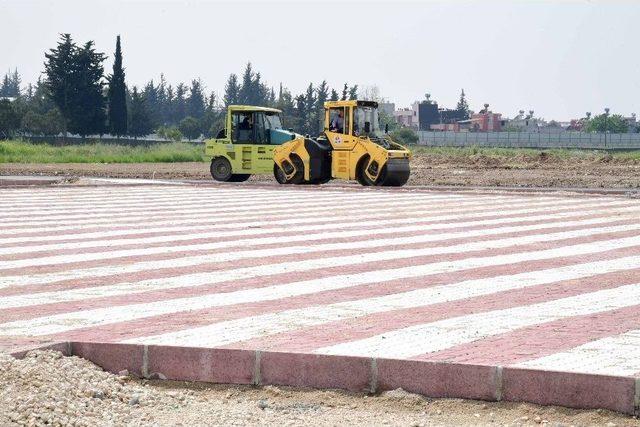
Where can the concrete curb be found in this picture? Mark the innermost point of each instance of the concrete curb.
(362, 374)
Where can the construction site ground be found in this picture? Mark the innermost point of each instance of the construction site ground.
(537, 169)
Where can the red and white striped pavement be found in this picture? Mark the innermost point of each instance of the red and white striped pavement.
(516, 283)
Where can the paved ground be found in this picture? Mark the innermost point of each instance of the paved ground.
(354, 288)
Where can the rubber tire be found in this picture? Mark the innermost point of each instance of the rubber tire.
(361, 176)
(278, 174)
(298, 178)
(239, 177)
(221, 169)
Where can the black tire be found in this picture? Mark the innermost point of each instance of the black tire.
(298, 177)
(279, 175)
(221, 169)
(239, 177)
(361, 176)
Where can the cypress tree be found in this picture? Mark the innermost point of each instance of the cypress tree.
(463, 106)
(117, 96)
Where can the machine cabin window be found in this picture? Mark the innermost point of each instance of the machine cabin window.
(242, 127)
(339, 120)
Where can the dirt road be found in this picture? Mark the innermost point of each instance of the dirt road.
(541, 170)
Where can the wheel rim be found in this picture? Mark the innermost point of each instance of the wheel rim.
(221, 169)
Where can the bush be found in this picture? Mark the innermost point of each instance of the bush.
(190, 127)
(171, 133)
(405, 136)
(47, 124)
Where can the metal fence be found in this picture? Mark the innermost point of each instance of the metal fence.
(578, 140)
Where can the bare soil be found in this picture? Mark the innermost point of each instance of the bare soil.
(46, 388)
(427, 169)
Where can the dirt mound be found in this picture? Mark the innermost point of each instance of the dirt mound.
(48, 388)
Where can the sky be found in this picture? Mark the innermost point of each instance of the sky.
(558, 58)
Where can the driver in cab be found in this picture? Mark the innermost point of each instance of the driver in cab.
(247, 123)
(337, 124)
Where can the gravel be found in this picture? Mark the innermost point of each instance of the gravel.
(46, 388)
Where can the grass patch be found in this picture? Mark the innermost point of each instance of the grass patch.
(15, 151)
(461, 152)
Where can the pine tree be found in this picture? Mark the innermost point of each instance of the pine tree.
(300, 112)
(353, 92)
(260, 92)
(11, 85)
(195, 101)
(6, 84)
(345, 92)
(334, 95)
(61, 78)
(163, 100)
(16, 81)
(246, 92)
(213, 120)
(179, 104)
(310, 110)
(140, 123)
(463, 106)
(271, 100)
(90, 115)
(322, 94)
(169, 105)
(9, 119)
(231, 91)
(117, 95)
(150, 93)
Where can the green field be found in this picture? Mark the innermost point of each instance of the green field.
(16, 151)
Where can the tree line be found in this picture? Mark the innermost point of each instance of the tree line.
(75, 95)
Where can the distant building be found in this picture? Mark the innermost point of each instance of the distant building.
(428, 114)
(450, 116)
(523, 123)
(485, 121)
(406, 117)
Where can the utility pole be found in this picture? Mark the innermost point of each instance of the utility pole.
(606, 125)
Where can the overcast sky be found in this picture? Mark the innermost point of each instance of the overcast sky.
(559, 58)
